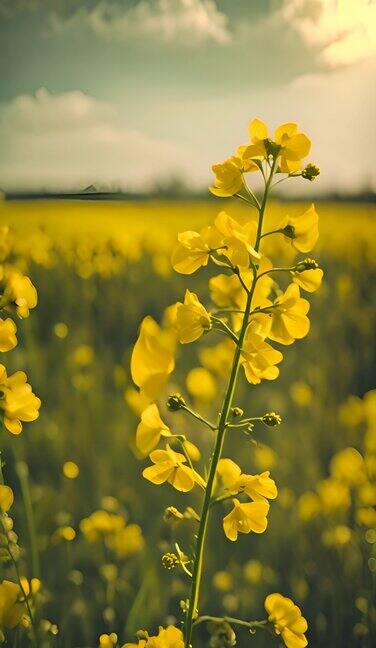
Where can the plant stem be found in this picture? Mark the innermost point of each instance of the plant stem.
(220, 437)
(22, 471)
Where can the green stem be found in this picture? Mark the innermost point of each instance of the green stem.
(22, 471)
(220, 438)
(231, 620)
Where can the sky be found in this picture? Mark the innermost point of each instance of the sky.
(129, 93)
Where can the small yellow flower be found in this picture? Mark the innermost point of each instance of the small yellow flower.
(309, 280)
(287, 619)
(150, 430)
(292, 145)
(192, 250)
(239, 239)
(152, 359)
(11, 608)
(192, 319)
(6, 498)
(258, 357)
(258, 487)
(302, 231)
(19, 292)
(289, 320)
(229, 175)
(18, 401)
(70, 470)
(245, 518)
(169, 467)
(348, 467)
(8, 339)
(108, 640)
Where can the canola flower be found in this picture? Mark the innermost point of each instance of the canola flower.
(247, 316)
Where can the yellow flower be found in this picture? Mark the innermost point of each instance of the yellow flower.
(258, 133)
(8, 338)
(11, 608)
(18, 401)
(70, 470)
(257, 487)
(192, 250)
(218, 358)
(287, 619)
(152, 359)
(201, 384)
(126, 541)
(293, 146)
(223, 581)
(289, 320)
(6, 498)
(258, 357)
(309, 280)
(108, 640)
(348, 466)
(334, 495)
(169, 467)
(366, 516)
(309, 506)
(239, 239)
(169, 637)
(101, 524)
(302, 231)
(19, 292)
(229, 175)
(245, 518)
(192, 319)
(150, 430)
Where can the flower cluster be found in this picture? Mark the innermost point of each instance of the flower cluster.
(254, 307)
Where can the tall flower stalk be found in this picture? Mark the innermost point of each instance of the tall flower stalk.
(251, 309)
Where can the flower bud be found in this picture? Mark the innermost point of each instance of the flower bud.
(272, 148)
(175, 402)
(236, 412)
(271, 419)
(142, 634)
(172, 514)
(307, 264)
(170, 561)
(310, 172)
(289, 231)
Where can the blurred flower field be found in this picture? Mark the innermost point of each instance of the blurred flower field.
(87, 522)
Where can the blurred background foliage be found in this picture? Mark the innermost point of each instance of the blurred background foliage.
(99, 269)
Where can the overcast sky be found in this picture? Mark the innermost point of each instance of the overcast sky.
(127, 92)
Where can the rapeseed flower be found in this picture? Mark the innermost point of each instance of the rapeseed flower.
(152, 359)
(289, 321)
(257, 487)
(18, 402)
(309, 280)
(258, 357)
(287, 620)
(12, 608)
(290, 146)
(19, 293)
(6, 498)
(302, 231)
(169, 467)
(169, 637)
(192, 319)
(238, 239)
(8, 339)
(245, 518)
(229, 175)
(192, 251)
(150, 430)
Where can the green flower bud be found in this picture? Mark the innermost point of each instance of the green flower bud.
(172, 514)
(310, 172)
(307, 264)
(236, 412)
(289, 231)
(170, 561)
(271, 419)
(142, 634)
(175, 402)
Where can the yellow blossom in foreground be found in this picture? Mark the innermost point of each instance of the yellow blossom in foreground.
(11, 609)
(245, 518)
(192, 319)
(192, 251)
(309, 280)
(229, 175)
(302, 231)
(289, 317)
(8, 339)
(257, 487)
(6, 498)
(19, 292)
(169, 467)
(294, 146)
(17, 401)
(152, 358)
(150, 430)
(258, 357)
(287, 619)
(239, 239)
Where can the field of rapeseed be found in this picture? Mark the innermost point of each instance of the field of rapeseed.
(100, 552)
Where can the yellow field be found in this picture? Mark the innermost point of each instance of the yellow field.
(99, 269)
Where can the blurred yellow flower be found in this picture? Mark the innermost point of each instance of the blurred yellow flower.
(19, 292)
(366, 516)
(289, 321)
(253, 571)
(150, 429)
(264, 457)
(126, 541)
(192, 319)
(108, 640)
(302, 231)
(217, 358)
(366, 494)
(61, 330)
(201, 384)
(11, 608)
(83, 355)
(8, 339)
(351, 412)
(258, 358)
(152, 358)
(339, 536)
(70, 470)
(239, 239)
(169, 467)
(18, 401)
(101, 524)
(6, 498)
(245, 518)
(223, 581)
(348, 466)
(136, 400)
(301, 393)
(334, 495)
(309, 505)
(287, 619)
(65, 533)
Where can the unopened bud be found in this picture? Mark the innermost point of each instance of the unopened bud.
(271, 419)
(142, 635)
(170, 561)
(307, 264)
(236, 412)
(310, 172)
(272, 148)
(172, 514)
(289, 231)
(175, 402)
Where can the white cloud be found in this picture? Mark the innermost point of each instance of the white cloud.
(183, 22)
(70, 140)
(344, 31)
